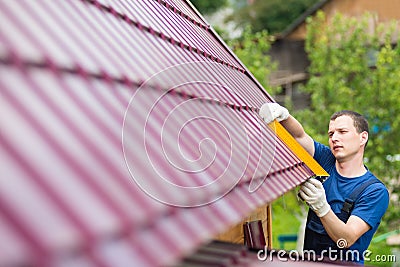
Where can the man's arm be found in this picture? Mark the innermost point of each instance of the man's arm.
(273, 111)
(368, 212)
(297, 131)
(313, 193)
(338, 230)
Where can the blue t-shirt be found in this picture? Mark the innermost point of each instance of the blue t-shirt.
(370, 207)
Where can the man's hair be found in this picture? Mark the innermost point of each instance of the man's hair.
(359, 121)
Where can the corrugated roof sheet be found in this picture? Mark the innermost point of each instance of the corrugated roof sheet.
(129, 132)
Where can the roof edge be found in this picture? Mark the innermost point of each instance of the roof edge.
(297, 22)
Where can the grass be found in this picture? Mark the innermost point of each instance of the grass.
(286, 211)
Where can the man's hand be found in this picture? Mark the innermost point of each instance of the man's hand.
(313, 194)
(271, 111)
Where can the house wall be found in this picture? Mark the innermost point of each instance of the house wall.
(386, 10)
(292, 67)
(235, 234)
(290, 55)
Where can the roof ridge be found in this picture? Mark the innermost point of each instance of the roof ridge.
(297, 22)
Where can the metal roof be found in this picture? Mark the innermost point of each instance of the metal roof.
(129, 134)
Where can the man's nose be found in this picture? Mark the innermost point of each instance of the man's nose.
(334, 136)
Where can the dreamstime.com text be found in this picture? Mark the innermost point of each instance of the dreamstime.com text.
(330, 254)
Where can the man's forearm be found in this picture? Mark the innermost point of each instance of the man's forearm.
(293, 127)
(273, 111)
(338, 230)
(335, 228)
(297, 131)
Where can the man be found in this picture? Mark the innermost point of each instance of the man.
(328, 230)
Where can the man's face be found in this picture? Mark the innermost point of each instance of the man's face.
(344, 140)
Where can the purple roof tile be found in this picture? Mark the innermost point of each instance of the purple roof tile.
(129, 132)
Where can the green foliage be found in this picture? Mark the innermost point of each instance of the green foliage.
(287, 213)
(209, 6)
(252, 49)
(272, 15)
(379, 249)
(356, 69)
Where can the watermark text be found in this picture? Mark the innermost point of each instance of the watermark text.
(330, 254)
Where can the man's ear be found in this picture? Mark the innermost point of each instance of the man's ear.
(364, 138)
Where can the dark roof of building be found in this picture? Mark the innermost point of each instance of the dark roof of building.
(301, 19)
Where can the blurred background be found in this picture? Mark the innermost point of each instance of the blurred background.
(317, 57)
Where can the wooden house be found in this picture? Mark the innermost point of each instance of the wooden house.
(288, 49)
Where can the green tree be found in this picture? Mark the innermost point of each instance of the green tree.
(271, 15)
(209, 6)
(252, 49)
(354, 68)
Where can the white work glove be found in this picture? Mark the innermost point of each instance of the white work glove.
(271, 111)
(313, 194)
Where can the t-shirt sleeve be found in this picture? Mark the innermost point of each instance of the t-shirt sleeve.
(372, 204)
(323, 156)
